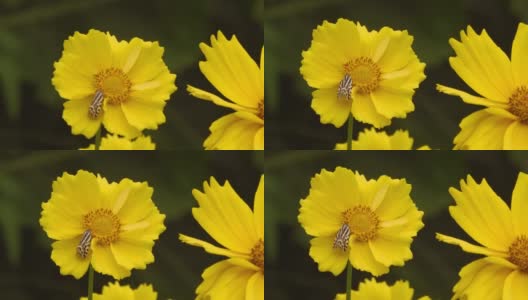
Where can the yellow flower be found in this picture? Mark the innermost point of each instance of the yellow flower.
(120, 218)
(370, 289)
(370, 74)
(503, 234)
(230, 221)
(115, 142)
(370, 223)
(370, 139)
(503, 88)
(236, 76)
(114, 291)
(131, 77)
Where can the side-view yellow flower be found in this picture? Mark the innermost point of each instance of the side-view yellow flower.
(370, 139)
(230, 221)
(370, 289)
(122, 85)
(114, 291)
(370, 223)
(503, 88)
(503, 234)
(370, 74)
(115, 142)
(236, 76)
(111, 226)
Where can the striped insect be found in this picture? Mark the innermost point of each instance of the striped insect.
(96, 106)
(342, 237)
(344, 90)
(84, 244)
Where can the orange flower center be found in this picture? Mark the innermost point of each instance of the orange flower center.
(260, 110)
(518, 252)
(114, 84)
(103, 224)
(257, 254)
(365, 74)
(362, 221)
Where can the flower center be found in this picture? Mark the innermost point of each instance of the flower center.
(519, 103)
(362, 221)
(103, 224)
(365, 74)
(518, 252)
(257, 254)
(260, 109)
(114, 84)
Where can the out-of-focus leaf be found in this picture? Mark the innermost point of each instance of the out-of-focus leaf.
(9, 218)
(520, 8)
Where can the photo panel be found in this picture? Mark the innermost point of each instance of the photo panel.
(147, 222)
(145, 76)
(406, 213)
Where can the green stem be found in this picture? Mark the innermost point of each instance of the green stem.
(90, 282)
(349, 281)
(98, 139)
(350, 130)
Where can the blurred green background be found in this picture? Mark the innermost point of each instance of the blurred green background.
(291, 272)
(31, 39)
(26, 270)
(292, 124)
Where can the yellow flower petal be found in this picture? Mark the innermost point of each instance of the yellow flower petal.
(258, 143)
(468, 247)
(104, 262)
(255, 287)
(519, 205)
(393, 102)
(232, 71)
(210, 248)
(395, 201)
(370, 289)
(232, 132)
(482, 214)
(133, 254)
(115, 121)
(115, 142)
(391, 252)
(60, 216)
(141, 114)
(482, 65)
(518, 57)
(143, 60)
(225, 216)
(332, 46)
(361, 258)
(370, 139)
(330, 195)
(76, 115)
(401, 290)
(258, 208)
(514, 136)
(515, 286)
(132, 201)
(201, 94)
(224, 280)
(484, 281)
(364, 110)
(470, 99)
(330, 109)
(482, 131)
(328, 258)
(396, 50)
(64, 254)
(147, 229)
(145, 292)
